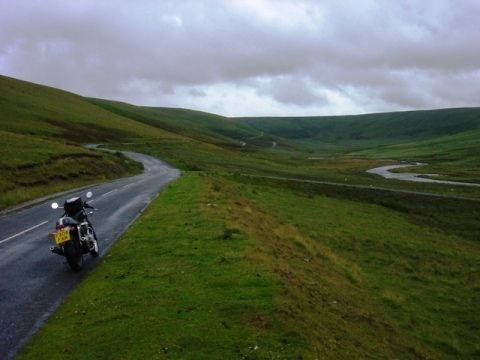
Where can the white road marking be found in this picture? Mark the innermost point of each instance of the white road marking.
(111, 191)
(125, 186)
(24, 231)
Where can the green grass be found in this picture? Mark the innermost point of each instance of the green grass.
(189, 123)
(178, 285)
(420, 273)
(193, 155)
(234, 267)
(32, 109)
(32, 167)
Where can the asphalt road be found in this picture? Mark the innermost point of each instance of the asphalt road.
(33, 281)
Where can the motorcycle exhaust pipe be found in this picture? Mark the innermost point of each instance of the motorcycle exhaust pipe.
(57, 250)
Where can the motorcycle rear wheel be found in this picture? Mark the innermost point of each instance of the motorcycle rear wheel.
(74, 255)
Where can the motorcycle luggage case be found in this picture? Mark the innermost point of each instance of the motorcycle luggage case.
(73, 206)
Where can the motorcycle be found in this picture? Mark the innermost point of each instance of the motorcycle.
(74, 235)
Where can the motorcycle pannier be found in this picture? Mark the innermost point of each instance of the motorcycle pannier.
(73, 206)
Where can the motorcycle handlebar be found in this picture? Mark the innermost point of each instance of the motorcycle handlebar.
(88, 206)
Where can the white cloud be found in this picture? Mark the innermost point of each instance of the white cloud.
(174, 20)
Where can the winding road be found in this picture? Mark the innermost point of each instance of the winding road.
(384, 171)
(33, 281)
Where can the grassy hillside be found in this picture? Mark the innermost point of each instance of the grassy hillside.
(368, 129)
(196, 124)
(42, 129)
(32, 167)
(32, 109)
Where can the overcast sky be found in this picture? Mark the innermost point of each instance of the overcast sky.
(250, 57)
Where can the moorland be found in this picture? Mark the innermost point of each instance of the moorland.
(234, 260)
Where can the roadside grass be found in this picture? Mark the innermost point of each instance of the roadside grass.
(178, 284)
(234, 267)
(415, 282)
(452, 216)
(322, 297)
(32, 167)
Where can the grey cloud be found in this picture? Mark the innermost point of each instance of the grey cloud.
(197, 92)
(292, 90)
(381, 55)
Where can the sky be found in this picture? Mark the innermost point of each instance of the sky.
(250, 57)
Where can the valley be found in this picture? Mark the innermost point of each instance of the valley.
(233, 260)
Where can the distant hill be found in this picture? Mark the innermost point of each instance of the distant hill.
(28, 108)
(455, 156)
(191, 123)
(370, 129)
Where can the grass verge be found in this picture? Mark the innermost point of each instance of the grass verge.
(33, 167)
(177, 285)
(232, 267)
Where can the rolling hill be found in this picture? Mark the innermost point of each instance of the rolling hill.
(370, 129)
(36, 117)
(32, 109)
(190, 123)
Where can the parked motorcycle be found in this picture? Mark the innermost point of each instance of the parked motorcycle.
(74, 235)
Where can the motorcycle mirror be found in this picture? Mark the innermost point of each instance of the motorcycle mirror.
(54, 206)
(89, 195)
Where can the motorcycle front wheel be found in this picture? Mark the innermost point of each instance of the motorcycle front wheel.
(94, 251)
(74, 255)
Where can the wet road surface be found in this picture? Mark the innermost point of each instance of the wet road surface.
(33, 281)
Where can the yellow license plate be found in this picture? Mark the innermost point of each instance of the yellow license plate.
(62, 236)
